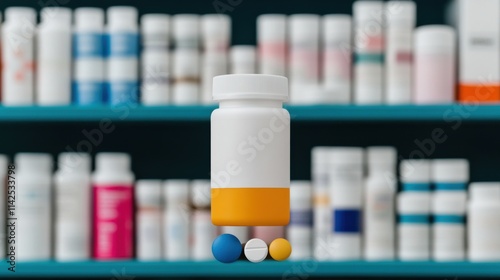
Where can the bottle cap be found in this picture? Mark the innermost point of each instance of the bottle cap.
(122, 17)
(33, 162)
(400, 13)
(485, 191)
(304, 27)
(414, 203)
(450, 170)
(74, 162)
(20, 14)
(250, 86)
(155, 30)
(89, 19)
(382, 159)
(200, 193)
(186, 27)
(56, 15)
(176, 193)
(271, 27)
(186, 63)
(436, 38)
(347, 155)
(449, 202)
(337, 27)
(369, 11)
(415, 171)
(300, 195)
(148, 192)
(112, 162)
(216, 30)
(4, 163)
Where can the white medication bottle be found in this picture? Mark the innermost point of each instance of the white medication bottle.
(379, 204)
(300, 231)
(415, 175)
(18, 34)
(155, 59)
(401, 20)
(176, 220)
(483, 222)
(113, 192)
(186, 31)
(33, 206)
(346, 190)
(251, 164)
(272, 44)
(148, 220)
(435, 65)
(186, 77)
(241, 232)
(5, 191)
(368, 52)
(216, 32)
(54, 50)
(337, 58)
(243, 60)
(448, 230)
(213, 64)
(322, 212)
(73, 200)
(203, 231)
(88, 57)
(450, 174)
(414, 235)
(303, 56)
(122, 51)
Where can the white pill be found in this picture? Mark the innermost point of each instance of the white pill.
(256, 250)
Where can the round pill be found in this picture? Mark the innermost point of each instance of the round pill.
(280, 249)
(256, 250)
(226, 248)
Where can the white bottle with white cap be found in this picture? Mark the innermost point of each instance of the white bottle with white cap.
(72, 202)
(299, 231)
(122, 49)
(272, 44)
(155, 61)
(186, 77)
(243, 59)
(304, 58)
(214, 64)
(448, 230)
(186, 31)
(54, 49)
(34, 206)
(450, 174)
(176, 220)
(414, 210)
(415, 175)
(203, 231)
(148, 219)
(369, 52)
(346, 191)
(380, 190)
(18, 33)
(401, 19)
(337, 58)
(88, 57)
(435, 65)
(216, 32)
(4, 163)
(483, 222)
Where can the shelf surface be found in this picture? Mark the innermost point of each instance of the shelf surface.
(284, 270)
(446, 113)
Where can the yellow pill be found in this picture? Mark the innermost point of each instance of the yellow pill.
(280, 249)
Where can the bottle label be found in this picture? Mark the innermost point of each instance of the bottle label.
(449, 219)
(122, 45)
(88, 93)
(301, 218)
(377, 58)
(450, 186)
(346, 221)
(121, 92)
(88, 45)
(416, 187)
(414, 219)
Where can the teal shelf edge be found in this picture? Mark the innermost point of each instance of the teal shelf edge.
(284, 270)
(440, 113)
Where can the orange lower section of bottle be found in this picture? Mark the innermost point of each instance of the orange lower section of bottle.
(479, 93)
(250, 206)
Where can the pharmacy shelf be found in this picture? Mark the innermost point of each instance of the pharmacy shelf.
(448, 113)
(284, 270)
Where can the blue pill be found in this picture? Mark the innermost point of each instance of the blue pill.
(226, 248)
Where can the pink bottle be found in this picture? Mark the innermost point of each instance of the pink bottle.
(113, 207)
(268, 233)
(435, 65)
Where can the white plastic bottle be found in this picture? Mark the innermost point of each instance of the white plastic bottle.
(415, 175)
(148, 220)
(186, 77)
(72, 184)
(369, 52)
(155, 61)
(216, 32)
(34, 206)
(300, 231)
(243, 59)
(272, 44)
(4, 162)
(176, 220)
(203, 231)
(337, 58)
(88, 57)
(18, 33)
(214, 64)
(401, 20)
(54, 50)
(113, 203)
(241, 232)
(483, 222)
(186, 31)
(122, 49)
(450, 174)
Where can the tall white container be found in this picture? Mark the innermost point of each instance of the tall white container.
(176, 220)
(216, 32)
(300, 231)
(203, 231)
(186, 77)
(214, 64)
(148, 220)
(4, 161)
(272, 44)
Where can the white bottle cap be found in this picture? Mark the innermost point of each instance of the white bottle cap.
(155, 30)
(449, 203)
(484, 191)
(304, 27)
(20, 14)
(56, 15)
(450, 170)
(414, 203)
(241, 54)
(74, 162)
(435, 38)
(89, 19)
(186, 26)
(271, 27)
(200, 193)
(33, 162)
(216, 30)
(122, 17)
(381, 159)
(368, 11)
(415, 171)
(250, 86)
(186, 63)
(176, 193)
(148, 192)
(4, 163)
(105, 162)
(321, 155)
(400, 13)
(337, 27)
(346, 155)
(300, 195)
